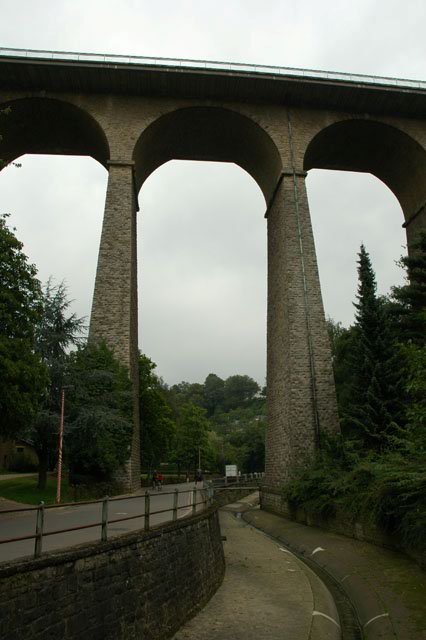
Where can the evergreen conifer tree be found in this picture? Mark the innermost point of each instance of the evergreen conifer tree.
(377, 381)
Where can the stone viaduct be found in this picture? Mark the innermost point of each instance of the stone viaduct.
(134, 114)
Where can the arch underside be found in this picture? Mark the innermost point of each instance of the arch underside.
(212, 134)
(50, 126)
(373, 147)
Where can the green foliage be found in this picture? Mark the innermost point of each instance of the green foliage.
(233, 412)
(375, 405)
(388, 490)
(239, 391)
(249, 446)
(157, 427)
(58, 329)
(343, 344)
(415, 359)
(99, 424)
(55, 332)
(377, 473)
(191, 436)
(22, 374)
(26, 490)
(214, 393)
(409, 301)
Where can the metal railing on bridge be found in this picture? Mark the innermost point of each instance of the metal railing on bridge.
(210, 65)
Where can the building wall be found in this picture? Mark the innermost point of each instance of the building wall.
(10, 449)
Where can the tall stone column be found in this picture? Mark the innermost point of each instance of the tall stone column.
(301, 393)
(114, 308)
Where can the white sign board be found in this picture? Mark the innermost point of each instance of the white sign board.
(231, 470)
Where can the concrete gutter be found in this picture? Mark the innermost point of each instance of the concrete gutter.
(385, 588)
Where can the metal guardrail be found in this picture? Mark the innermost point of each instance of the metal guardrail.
(40, 533)
(236, 481)
(211, 65)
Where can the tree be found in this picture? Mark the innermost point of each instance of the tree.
(55, 332)
(191, 437)
(157, 428)
(214, 393)
(249, 446)
(343, 344)
(409, 301)
(23, 376)
(239, 390)
(184, 392)
(99, 417)
(377, 377)
(416, 389)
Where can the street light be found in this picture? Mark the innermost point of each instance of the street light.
(61, 438)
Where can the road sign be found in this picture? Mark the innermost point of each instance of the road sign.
(231, 471)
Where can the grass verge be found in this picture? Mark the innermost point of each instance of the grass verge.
(25, 490)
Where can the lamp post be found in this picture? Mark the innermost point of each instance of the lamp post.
(61, 439)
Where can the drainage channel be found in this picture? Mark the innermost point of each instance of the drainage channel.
(349, 621)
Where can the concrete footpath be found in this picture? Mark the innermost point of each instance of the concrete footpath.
(267, 593)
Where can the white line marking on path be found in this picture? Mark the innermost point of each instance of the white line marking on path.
(316, 550)
(382, 615)
(324, 615)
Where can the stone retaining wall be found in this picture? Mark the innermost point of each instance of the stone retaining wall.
(227, 496)
(139, 585)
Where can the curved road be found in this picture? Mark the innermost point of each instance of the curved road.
(22, 523)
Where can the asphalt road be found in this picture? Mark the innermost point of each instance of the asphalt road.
(22, 523)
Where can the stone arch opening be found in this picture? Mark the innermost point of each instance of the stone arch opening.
(209, 133)
(50, 126)
(56, 205)
(386, 152)
(43, 129)
(347, 209)
(207, 248)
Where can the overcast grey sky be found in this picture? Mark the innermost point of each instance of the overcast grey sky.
(202, 268)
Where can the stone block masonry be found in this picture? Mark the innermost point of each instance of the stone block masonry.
(140, 585)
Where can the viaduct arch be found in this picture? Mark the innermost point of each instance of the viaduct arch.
(382, 149)
(134, 115)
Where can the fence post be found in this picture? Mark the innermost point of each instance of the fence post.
(104, 532)
(147, 505)
(194, 501)
(39, 531)
(175, 503)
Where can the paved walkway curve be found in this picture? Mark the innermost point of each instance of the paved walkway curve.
(267, 593)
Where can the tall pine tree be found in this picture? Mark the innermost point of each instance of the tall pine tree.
(376, 384)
